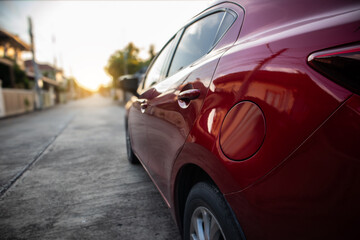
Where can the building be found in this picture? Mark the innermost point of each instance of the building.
(50, 82)
(17, 80)
(11, 64)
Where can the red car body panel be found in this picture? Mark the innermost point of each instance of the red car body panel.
(300, 176)
(315, 193)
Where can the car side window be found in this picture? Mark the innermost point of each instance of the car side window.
(157, 71)
(227, 21)
(199, 38)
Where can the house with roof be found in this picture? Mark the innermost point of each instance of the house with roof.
(14, 96)
(50, 81)
(17, 80)
(11, 63)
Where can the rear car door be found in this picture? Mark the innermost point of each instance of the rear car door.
(176, 100)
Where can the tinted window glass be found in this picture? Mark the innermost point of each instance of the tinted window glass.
(158, 68)
(226, 23)
(198, 39)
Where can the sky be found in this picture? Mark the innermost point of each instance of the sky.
(80, 36)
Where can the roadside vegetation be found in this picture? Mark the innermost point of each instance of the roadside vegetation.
(127, 61)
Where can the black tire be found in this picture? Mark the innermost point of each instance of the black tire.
(130, 154)
(203, 199)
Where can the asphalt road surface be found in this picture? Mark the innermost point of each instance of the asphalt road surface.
(64, 175)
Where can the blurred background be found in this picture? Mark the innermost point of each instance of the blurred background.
(52, 52)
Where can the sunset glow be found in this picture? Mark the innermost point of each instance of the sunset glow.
(79, 36)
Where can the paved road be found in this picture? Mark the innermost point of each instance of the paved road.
(64, 175)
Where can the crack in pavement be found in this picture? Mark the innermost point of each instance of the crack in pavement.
(37, 156)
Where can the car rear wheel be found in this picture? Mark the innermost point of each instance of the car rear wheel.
(130, 154)
(207, 215)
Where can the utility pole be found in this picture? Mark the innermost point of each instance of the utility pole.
(37, 76)
(125, 61)
(123, 96)
(55, 62)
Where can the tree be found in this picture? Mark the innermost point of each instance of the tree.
(20, 77)
(151, 52)
(125, 61)
(132, 59)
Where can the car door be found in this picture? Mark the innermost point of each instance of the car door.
(137, 120)
(176, 100)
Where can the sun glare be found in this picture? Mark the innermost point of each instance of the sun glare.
(80, 36)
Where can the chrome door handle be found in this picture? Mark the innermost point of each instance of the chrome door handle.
(141, 101)
(143, 107)
(143, 104)
(189, 95)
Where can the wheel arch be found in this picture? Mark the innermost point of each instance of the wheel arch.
(187, 177)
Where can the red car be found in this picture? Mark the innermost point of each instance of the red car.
(248, 121)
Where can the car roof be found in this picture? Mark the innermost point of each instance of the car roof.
(262, 15)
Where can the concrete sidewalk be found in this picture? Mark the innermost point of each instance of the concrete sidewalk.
(76, 182)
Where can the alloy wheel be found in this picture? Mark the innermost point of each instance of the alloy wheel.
(204, 226)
